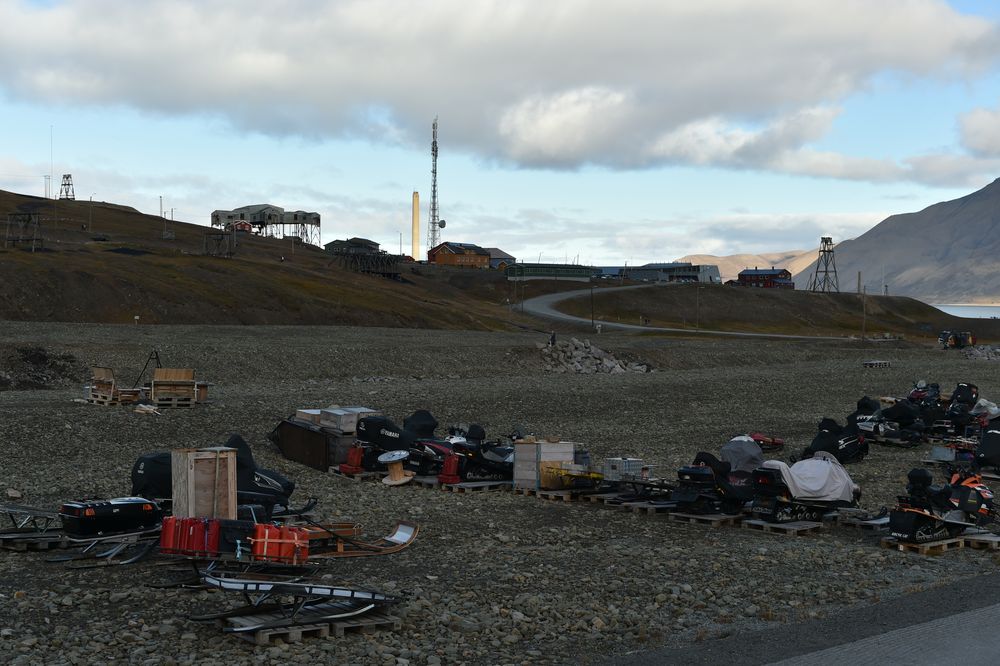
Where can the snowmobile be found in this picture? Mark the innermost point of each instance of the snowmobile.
(805, 491)
(987, 455)
(847, 445)
(151, 478)
(378, 434)
(930, 512)
(711, 486)
(477, 458)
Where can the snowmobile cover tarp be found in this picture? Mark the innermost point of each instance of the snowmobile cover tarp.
(421, 423)
(903, 412)
(820, 478)
(984, 406)
(742, 453)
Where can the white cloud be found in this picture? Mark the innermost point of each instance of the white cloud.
(559, 84)
(981, 131)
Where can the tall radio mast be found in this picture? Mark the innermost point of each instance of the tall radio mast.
(433, 227)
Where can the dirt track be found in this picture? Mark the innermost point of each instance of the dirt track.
(493, 578)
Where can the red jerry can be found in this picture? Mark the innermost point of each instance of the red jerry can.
(355, 456)
(449, 470)
(170, 535)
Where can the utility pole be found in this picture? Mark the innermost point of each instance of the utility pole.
(697, 307)
(864, 314)
(90, 215)
(591, 303)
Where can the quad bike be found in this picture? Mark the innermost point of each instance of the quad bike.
(711, 486)
(477, 459)
(930, 512)
(264, 488)
(805, 491)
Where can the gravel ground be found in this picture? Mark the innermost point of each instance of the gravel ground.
(494, 578)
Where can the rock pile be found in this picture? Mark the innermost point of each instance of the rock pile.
(584, 358)
(982, 353)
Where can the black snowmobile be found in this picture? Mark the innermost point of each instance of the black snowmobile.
(987, 455)
(847, 445)
(930, 512)
(479, 459)
(712, 486)
(151, 478)
(378, 434)
(805, 491)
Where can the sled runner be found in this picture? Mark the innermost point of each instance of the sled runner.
(266, 597)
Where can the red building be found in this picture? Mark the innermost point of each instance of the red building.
(767, 278)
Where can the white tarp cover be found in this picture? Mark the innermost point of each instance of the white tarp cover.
(742, 453)
(821, 477)
(984, 406)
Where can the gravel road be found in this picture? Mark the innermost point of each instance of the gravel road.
(493, 578)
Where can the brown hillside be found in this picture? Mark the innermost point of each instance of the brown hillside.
(108, 263)
(120, 267)
(783, 311)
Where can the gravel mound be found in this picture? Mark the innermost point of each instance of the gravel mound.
(493, 578)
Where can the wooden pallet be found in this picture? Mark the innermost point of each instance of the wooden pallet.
(602, 498)
(558, 495)
(982, 541)
(793, 528)
(527, 492)
(713, 519)
(928, 548)
(645, 507)
(426, 481)
(174, 402)
(475, 486)
(104, 401)
(363, 624)
(363, 476)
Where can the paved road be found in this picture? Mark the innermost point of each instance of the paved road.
(953, 624)
(544, 306)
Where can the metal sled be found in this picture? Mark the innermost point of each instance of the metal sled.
(310, 602)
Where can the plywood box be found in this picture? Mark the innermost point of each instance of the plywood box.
(339, 419)
(528, 459)
(310, 415)
(345, 419)
(204, 482)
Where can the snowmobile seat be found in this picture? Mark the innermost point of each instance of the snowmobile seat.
(720, 468)
(919, 480)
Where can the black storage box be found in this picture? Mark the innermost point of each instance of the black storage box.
(93, 518)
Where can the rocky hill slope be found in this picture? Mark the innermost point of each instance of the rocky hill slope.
(946, 253)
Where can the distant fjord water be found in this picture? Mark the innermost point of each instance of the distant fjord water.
(969, 311)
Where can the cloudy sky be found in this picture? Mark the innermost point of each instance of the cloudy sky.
(603, 132)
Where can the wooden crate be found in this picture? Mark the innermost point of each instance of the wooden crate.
(204, 482)
(339, 419)
(529, 458)
(309, 415)
(173, 383)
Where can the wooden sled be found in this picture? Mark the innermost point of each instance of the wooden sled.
(324, 542)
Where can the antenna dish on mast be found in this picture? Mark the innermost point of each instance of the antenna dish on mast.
(441, 224)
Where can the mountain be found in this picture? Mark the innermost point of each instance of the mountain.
(730, 266)
(946, 253)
